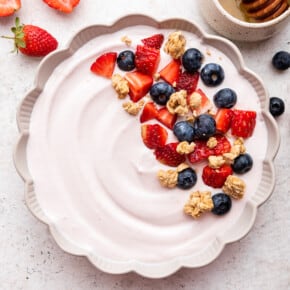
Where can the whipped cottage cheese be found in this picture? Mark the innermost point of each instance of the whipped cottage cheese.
(95, 179)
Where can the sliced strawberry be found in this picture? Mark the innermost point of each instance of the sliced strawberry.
(187, 81)
(149, 112)
(9, 7)
(223, 119)
(166, 118)
(154, 41)
(139, 84)
(168, 155)
(154, 135)
(65, 6)
(243, 123)
(216, 177)
(171, 71)
(198, 102)
(105, 64)
(147, 59)
(202, 151)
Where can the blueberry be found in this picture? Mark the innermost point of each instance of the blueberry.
(212, 74)
(204, 126)
(184, 131)
(191, 60)
(186, 178)
(281, 60)
(243, 163)
(126, 60)
(160, 92)
(222, 203)
(277, 106)
(225, 98)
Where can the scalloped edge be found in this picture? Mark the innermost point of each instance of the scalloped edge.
(156, 270)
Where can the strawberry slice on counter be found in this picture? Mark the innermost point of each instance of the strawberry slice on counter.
(154, 41)
(9, 7)
(168, 155)
(139, 84)
(203, 107)
(104, 65)
(243, 123)
(166, 118)
(149, 112)
(223, 119)
(216, 177)
(170, 73)
(202, 151)
(187, 81)
(147, 59)
(65, 6)
(154, 135)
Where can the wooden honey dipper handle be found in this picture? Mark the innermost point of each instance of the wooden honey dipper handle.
(263, 10)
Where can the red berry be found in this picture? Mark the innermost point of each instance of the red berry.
(243, 123)
(168, 155)
(61, 5)
(104, 65)
(154, 41)
(149, 112)
(9, 7)
(223, 119)
(166, 118)
(154, 135)
(171, 71)
(187, 81)
(216, 177)
(147, 59)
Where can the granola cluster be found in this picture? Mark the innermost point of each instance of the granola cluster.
(237, 149)
(234, 187)
(185, 148)
(133, 108)
(175, 45)
(177, 103)
(120, 85)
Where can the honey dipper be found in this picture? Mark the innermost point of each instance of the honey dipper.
(263, 10)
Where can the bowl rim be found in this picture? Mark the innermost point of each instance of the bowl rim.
(266, 24)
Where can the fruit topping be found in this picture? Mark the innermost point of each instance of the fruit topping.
(202, 151)
(184, 131)
(191, 60)
(154, 135)
(171, 71)
(154, 41)
(166, 118)
(126, 60)
(281, 60)
(243, 123)
(223, 119)
(139, 84)
(276, 107)
(198, 102)
(212, 74)
(216, 177)
(186, 178)
(225, 98)
(61, 5)
(104, 65)
(160, 92)
(149, 112)
(9, 7)
(204, 126)
(168, 155)
(222, 203)
(187, 81)
(147, 59)
(243, 163)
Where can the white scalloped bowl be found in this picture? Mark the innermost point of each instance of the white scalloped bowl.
(89, 177)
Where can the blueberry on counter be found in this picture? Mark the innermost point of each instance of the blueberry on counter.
(212, 74)
(243, 163)
(281, 60)
(160, 92)
(204, 126)
(192, 59)
(186, 178)
(126, 60)
(225, 98)
(222, 203)
(184, 131)
(276, 107)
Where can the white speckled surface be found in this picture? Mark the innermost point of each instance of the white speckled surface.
(30, 259)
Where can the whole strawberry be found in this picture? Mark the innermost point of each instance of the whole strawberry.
(32, 40)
